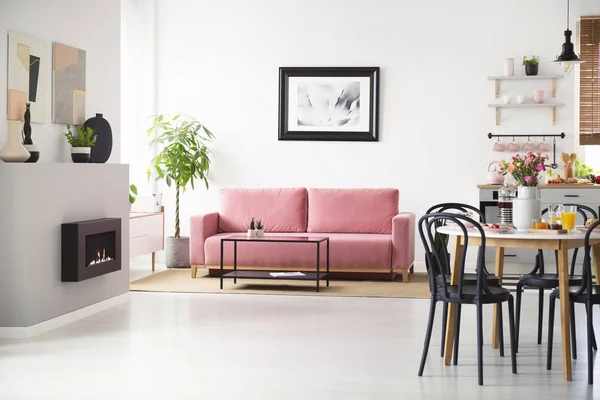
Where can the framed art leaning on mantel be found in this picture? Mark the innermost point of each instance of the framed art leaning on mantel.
(329, 103)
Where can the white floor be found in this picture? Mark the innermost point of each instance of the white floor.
(207, 346)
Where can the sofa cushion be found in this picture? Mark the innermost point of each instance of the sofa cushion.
(281, 210)
(352, 210)
(348, 251)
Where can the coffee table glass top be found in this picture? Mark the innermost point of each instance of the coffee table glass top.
(274, 238)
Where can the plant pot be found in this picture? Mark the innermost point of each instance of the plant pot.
(251, 233)
(526, 207)
(14, 150)
(80, 154)
(177, 252)
(34, 152)
(260, 233)
(531, 69)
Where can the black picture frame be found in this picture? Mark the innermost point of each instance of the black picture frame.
(319, 134)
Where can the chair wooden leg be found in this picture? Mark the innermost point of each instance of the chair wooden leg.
(194, 269)
(479, 344)
(590, 333)
(404, 275)
(427, 336)
(457, 332)
(551, 305)
(511, 328)
(573, 334)
(444, 319)
(518, 321)
(412, 269)
(540, 315)
(500, 330)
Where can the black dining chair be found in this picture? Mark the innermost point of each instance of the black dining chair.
(539, 279)
(441, 243)
(479, 294)
(587, 293)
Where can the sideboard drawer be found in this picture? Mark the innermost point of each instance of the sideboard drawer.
(145, 225)
(138, 246)
(577, 196)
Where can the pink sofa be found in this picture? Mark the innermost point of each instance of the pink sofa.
(366, 231)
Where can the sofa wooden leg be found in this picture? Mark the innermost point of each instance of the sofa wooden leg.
(194, 268)
(405, 275)
(412, 269)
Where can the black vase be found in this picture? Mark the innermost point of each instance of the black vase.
(104, 141)
(531, 69)
(34, 152)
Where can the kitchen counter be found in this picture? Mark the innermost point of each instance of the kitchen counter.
(552, 186)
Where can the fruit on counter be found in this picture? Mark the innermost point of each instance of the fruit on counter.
(598, 179)
(590, 221)
(492, 226)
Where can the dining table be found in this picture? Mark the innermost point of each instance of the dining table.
(521, 239)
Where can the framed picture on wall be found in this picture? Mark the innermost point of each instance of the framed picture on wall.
(329, 103)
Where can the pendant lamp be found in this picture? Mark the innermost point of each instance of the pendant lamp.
(568, 58)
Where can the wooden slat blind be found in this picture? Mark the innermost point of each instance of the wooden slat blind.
(589, 81)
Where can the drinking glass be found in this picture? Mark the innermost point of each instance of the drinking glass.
(554, 220)
(568, 217)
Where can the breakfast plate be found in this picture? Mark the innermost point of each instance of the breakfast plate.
(488, 229)
(584, 229)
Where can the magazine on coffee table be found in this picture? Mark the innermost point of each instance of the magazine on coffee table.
(284, 274)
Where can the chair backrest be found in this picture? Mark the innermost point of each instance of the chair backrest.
(586, 284)
(427, 226)
(441, 240)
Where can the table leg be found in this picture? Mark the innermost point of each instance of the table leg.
(327, 262)
(499, 273)
(221, 269)
(153, 260)
(318, 264)
(563, 287)
(452, 307)
(235, 262)
(596, 252)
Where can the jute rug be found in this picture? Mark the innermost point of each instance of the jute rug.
(179, 281)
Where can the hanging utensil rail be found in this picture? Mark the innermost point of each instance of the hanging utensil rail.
(560, 135)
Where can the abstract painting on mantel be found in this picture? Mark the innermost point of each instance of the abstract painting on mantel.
(68, 84)
(27, 61)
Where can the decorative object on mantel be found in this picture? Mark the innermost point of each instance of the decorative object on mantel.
(509, 67)
(68, 84)
(568, 58)
(525, 170)
(14, 151)
(104, 139)
(33, 149)
(27, 66)
(81, 144)
(182, 159)
(531, 65)
(331, 103)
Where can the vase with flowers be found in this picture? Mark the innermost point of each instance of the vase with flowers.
(525, 169)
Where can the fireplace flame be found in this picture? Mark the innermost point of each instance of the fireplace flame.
(100, 257)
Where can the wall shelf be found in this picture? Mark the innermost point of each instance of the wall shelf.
(497, 80)
(500, 106)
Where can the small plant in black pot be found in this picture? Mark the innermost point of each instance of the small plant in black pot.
(81, 144)
(531, 65)
(33, 150)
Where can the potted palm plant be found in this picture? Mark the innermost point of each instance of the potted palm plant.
(182, 159)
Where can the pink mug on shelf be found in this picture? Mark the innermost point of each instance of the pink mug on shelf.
(528, 146)
(514, 145)
(544, 146)
(499, 146)
(539, 96)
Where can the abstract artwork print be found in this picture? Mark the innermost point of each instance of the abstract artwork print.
(68, 84)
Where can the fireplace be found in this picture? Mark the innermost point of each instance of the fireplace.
(90, 248)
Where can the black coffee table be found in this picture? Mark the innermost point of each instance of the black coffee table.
(307, 276)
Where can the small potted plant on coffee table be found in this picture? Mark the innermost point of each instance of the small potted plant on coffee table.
(251, 229)
(531, 65)
(260, 229)
(82, 144)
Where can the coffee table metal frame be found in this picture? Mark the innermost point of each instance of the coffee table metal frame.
(316, 276)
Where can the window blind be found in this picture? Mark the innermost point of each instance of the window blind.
(589, 81)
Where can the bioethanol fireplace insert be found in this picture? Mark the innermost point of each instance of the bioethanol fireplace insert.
(90, 248)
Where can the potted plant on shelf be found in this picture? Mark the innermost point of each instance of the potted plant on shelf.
(132, 194)
(33, 149)
(81, 144)
(531, 65)
(260, 229)
(183, 158)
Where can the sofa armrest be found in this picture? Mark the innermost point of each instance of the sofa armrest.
(403, 241)
(201, 227)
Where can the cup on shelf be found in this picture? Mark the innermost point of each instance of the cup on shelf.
(539, 96)
(506, 99)
(544, 146)
(528, 146)
(499, 146)
(514, 145)
(520, 99)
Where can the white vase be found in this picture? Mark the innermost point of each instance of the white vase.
(526, 207)
(251, 233)
(14, 150)
(260, 233)
(509, 66)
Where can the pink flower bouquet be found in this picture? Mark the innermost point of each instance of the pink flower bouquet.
(525, 169)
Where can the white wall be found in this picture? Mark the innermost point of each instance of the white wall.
(219, 62)
(90, 25)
